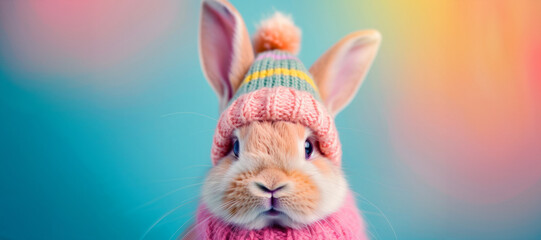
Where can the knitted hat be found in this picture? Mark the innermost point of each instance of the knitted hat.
(277, 87)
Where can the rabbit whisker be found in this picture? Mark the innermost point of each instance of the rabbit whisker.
(189, 113)
(178, 179)
(162, 217)
(196, 226)
(178, 229)
(167, 194)
(379, 210)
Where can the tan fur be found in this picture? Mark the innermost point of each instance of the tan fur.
(272, 155)
(272, 178)
(245, 53)
(274, 145)
(237, 61)
(306, 194)
(276, 139)
(237, 199)
(324, 166)
(327, 66)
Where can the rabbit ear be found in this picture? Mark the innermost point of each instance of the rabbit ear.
(224, 46)
(341, 70)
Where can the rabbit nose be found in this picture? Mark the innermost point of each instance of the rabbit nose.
(272, 190)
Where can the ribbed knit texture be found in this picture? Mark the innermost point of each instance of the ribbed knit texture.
(274, 69)
(345, 224)
(277, 104)
(277, 87)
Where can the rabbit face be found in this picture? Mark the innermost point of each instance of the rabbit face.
(274, 180)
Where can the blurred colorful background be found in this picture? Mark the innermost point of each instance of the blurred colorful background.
(107, 120)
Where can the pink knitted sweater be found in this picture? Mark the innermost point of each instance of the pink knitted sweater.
(345, 224)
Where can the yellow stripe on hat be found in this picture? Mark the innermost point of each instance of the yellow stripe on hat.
(280, 71)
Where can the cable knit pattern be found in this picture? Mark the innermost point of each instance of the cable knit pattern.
(345, 224)
(277, 104)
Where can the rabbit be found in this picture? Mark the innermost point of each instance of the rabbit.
(276, 153)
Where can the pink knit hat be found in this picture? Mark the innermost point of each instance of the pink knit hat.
(277, 104)
(277, 87)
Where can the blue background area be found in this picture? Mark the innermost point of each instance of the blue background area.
(83, 160)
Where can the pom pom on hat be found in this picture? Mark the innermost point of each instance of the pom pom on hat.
(277, 33)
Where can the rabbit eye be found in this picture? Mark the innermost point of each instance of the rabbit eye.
(236, 148)
(308, 149)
